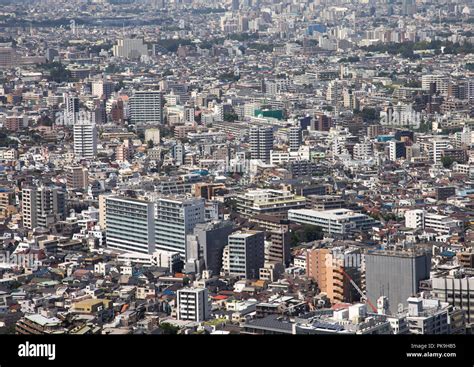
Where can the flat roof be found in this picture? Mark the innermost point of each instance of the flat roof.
(331, 214)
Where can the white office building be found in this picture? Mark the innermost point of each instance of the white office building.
(146, 107)
(193, 304)
(175, 217)
(335, 221)
(130, 224)
(132, 48)
(85, 140)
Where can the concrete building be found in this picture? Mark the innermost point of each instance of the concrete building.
(261, 143)
(77, 178)
(246, 254)
(102, 88)
(85, 140)
(130, 224)
(457, 289)
(206, 244)
(427, 316)
(294, 138)
(42, 206)
(175, 217)
(267, 201)
(278, 250)
(146, 107)
(395, 274)
(335, 221)
(421, 219)
(152, 135)
(193, 304)
(328, 266)
(132, 48)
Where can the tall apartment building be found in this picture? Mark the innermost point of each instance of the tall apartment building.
(71, 109)
(130, 224)
(132, 48)
(102, 88)
(246, 251)
(176, 217)
(395, 274)
(85, 140)
(193, 304)
(42, 206)
(7, 198)
(279, 248)
(8, 57)
(261, 143)
(206, 244)
(363, 150)
(438, 146)
(440, 81)
(326, 266)
(294, 138)
(146, 107)
(396, 150)
(77, 178)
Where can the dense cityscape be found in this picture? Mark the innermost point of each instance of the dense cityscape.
(236, 167)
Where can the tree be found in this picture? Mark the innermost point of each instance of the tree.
(169, 329)
(57, 72)
(231, 117)
(307, 233)
(447, 161)
(150, 144)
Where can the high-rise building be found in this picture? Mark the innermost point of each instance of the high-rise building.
(146, 107)
(261, 143)
(130, 224)
(395, 274)
(153, 135)
(235, 5)
(85, 140)
(102, 88)
(279, 248)
(42, 206)
(329, 266)
(77, 178)
(438, 146)
(193, 304)
(396, 150)
(294, 138)
(71, 110)
(408, 7)
(8, 57)
(207, 243)
(175, 218)
(246, 251)
(132, 48)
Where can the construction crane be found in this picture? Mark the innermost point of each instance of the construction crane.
(362, 295)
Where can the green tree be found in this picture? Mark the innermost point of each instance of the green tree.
(307, 233)
(447, 161)
(230, 116)
(169, 329)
